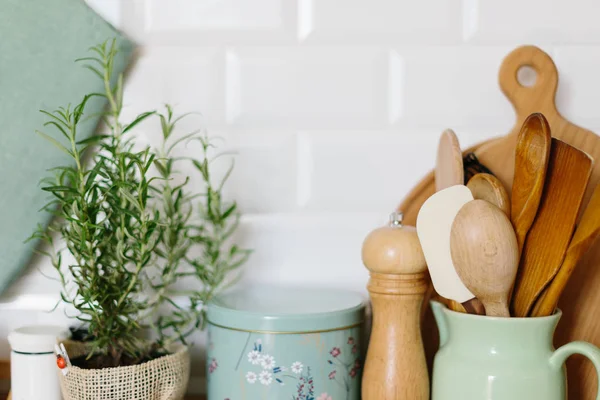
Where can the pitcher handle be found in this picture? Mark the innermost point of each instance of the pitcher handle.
(559, 357)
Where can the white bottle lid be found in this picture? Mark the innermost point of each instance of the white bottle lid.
(37, 338)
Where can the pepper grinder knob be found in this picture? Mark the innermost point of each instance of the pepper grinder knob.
(394, 249)
(395, 368)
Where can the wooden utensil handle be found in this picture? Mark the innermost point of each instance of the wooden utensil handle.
(544, 89)
(473, 306)
(396, 301)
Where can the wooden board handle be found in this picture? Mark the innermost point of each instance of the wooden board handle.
(536, 98)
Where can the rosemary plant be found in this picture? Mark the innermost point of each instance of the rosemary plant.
(209, 235)
(122, 225)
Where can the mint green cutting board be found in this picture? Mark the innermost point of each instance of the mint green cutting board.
(39, 41)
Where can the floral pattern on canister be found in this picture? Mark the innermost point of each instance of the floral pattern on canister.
(328, 367)
(305, 389)
(346, 364)
(212, 366)
(264, 369)
(324, 396)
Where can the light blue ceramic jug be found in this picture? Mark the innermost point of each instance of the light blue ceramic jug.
(488, 358)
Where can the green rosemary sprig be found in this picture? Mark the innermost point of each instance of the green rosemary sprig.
(207, 234)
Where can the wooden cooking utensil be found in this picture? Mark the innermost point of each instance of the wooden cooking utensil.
(449, 165)
(585, 235)
(581, 297)
(485, 253)
(449, 171)
(397, 287)
(433, 228)
(531, 161)
(566, 181)
(489, 188)
(425, 188)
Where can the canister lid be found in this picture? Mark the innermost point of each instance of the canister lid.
(286, 309)
(36, 338)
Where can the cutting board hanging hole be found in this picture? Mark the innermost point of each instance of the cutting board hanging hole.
(527, 76)
(515, 78)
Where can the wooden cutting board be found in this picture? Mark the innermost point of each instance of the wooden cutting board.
(580, 301)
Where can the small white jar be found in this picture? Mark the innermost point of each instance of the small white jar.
(33, 370)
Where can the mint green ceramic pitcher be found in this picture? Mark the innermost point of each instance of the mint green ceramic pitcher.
(488, 358)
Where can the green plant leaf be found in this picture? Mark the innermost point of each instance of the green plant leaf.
(137, 120)
(59, 127)
(56, 119)
(92, 139)
(55, 142)
(229, 211)
(182, 139)
(94, 59)
(94, 70)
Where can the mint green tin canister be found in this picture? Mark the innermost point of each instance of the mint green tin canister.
(285, 343)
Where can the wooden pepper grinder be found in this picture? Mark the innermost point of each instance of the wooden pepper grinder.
(395, 368)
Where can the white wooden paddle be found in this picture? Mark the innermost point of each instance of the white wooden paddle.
(434, 224)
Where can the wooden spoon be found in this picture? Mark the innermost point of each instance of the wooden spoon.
(489, 188)
(531, 161)
(485, 254)
(585, 235)
(566, 181)
(449, 164)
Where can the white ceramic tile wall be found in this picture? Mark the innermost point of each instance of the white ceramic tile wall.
(334, 108)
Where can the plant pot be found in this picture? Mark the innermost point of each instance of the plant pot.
(164, 378)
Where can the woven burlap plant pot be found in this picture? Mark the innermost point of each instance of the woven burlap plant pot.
(164, 378)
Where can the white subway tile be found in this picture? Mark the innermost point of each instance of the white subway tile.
(469, 136)
(448, 87)
(212, 22)
(531, 22)
(191, 79)
(307, 87)
(578, 94)
(263, 178)
(213, 14)
(308, 249)
(380, 21)
(353, 171)
(264, 175)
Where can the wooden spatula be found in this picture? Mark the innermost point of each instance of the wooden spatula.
(489, 188)
(485, 254)
(449, 171)
(585, 235)
(531, 161)
(449, 164)
(434, 223)
(566, 181)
